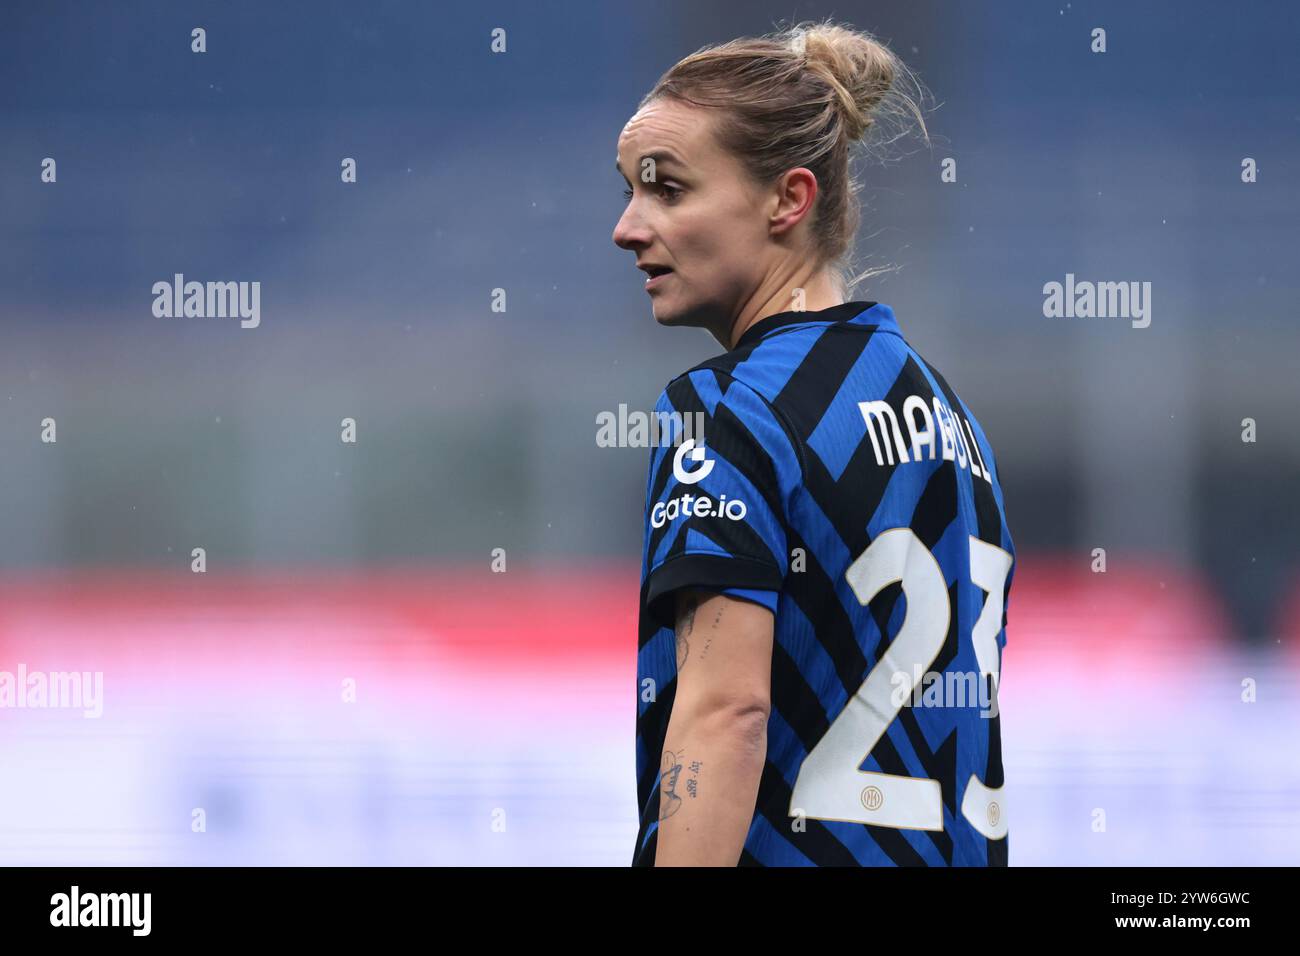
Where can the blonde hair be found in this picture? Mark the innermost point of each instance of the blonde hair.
(802, 97)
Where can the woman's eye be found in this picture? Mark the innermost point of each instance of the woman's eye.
(669, 193)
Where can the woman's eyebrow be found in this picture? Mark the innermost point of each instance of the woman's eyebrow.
(658, 155)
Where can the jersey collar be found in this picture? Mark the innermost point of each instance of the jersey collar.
(882, 315)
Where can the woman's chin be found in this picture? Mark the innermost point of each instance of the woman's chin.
(666, 313)
(662, 313)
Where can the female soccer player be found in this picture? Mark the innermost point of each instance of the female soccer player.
(826, 568)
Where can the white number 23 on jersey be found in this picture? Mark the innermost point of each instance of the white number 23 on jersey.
(829, 785)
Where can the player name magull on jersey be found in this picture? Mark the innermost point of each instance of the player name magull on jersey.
(950, 440)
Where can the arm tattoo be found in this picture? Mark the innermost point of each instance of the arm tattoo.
(686, 627)
(671, 770)
(685, 623)
(669, 801)
(717, 619)
(693, 785)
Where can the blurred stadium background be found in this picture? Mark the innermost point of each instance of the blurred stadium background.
(493, 719)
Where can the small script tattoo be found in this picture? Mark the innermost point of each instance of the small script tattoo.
(708, 642)
(693, 784)
(685, 623)
(686, 628)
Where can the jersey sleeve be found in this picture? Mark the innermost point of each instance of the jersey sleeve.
(718, 495)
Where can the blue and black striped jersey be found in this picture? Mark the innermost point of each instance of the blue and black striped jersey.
(839, 481)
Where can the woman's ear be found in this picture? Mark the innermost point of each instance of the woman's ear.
(796, 192)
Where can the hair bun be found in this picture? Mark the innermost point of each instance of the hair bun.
(857, 67)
